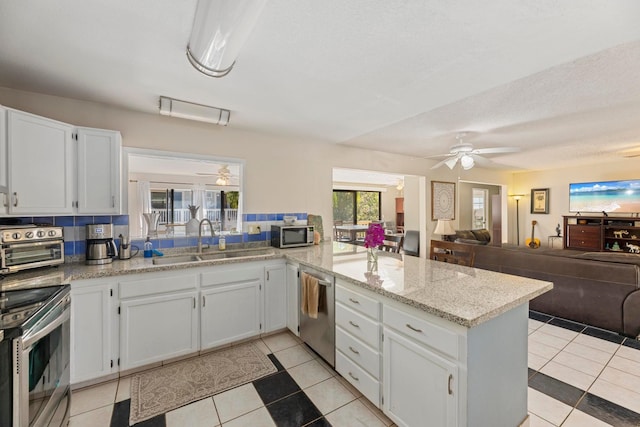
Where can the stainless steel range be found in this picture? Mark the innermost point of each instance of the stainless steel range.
(34, 356)
(30, 246)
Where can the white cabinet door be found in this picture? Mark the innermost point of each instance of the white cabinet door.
(98, 171)
(40, 165)
(418, 384)
(158, 328)
(93, 330)
(293, 304)
(275, 298)
(3, 152)
(230, 313)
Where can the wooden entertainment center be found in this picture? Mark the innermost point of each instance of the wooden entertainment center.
(602, 233)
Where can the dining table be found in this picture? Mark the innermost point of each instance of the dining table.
(353, 230)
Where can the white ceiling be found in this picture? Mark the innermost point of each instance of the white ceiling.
(558, 79)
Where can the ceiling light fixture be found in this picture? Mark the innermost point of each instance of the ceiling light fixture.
(467, 162)
(220, 29)
(190, 111)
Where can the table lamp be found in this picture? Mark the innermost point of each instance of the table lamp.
(444, 228)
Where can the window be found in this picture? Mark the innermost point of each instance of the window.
(356, 207)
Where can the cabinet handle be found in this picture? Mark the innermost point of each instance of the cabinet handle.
(15, 199)
(267, 276)
(194, 302)
(113, 201)
(355, 325)
(413, 329)
(355, 301)
(354, 377)
(449, 384)
(354, 350)
(204, 300)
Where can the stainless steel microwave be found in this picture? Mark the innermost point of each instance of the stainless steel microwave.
(291, 236)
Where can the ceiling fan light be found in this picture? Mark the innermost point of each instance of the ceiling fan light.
(220, 29)
(451, 162)
(467, 162)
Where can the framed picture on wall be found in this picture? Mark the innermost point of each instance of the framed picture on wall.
(443, 200)
(540, 201)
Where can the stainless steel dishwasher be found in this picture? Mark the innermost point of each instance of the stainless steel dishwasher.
(320, 333)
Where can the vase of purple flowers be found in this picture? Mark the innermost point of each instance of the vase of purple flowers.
(373, 238)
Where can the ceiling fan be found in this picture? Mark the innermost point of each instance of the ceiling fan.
(223, 175)
(467, 155)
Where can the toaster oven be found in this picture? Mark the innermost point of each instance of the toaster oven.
(30, 246)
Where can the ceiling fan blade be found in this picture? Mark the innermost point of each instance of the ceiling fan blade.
(631, 155)
(496, 150)
(435, 156)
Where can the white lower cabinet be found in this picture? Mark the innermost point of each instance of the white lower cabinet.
(293, 303)
(94, 330)
(419, 385)
(231, 304)
(358, 341)
(159, 318)
(275, 297)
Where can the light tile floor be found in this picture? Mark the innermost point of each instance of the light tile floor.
(581, 376)
(576, 379)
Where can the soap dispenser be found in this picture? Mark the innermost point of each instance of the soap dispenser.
(148, 248)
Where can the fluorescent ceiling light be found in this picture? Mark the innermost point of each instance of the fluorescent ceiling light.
(220, 29)
(189, 111)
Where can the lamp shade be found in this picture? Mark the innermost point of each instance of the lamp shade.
(220, 29)
(444, 228)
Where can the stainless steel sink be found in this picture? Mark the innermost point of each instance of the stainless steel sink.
(249, 253)
(212, 256)
(178, 259)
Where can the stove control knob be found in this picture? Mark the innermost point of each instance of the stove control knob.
(29, 234)
(16, 236)
(41, 233)
(52, 233)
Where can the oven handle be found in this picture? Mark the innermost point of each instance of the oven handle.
(35, 334)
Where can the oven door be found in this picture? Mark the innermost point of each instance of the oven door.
(19, 256)
(41, 370)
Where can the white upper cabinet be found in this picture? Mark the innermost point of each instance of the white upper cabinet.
(98, 171)
(43, 171)
(40, 165)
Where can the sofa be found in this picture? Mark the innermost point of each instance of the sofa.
(596, 288)
(473, 237)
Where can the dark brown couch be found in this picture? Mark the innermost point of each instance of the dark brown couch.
(473, 237)
(595, 288)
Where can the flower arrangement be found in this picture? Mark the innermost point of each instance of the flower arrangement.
(374, 236)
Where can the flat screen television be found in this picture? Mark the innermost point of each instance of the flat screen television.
(608, 196)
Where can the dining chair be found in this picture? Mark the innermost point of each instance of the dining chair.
(411, 243)
(392, 243)
(452, 253)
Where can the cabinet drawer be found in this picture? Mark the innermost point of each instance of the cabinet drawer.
(219, 276)
(358, 302)
(584, 236)
(423, 331)
(357, 351)
(358, 325)
(155, 284)
(365, 383)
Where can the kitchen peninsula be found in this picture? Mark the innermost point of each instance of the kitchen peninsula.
(430, 343)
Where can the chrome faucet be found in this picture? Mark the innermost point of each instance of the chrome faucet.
(200, 233)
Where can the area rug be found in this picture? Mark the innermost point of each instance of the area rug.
(161, 390)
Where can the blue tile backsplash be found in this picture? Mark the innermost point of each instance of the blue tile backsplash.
(75, 233)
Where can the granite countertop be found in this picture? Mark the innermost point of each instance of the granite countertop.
(463, 295)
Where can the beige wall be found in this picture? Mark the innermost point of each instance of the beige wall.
(558, 183)
(287, 174)
(281, 174)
